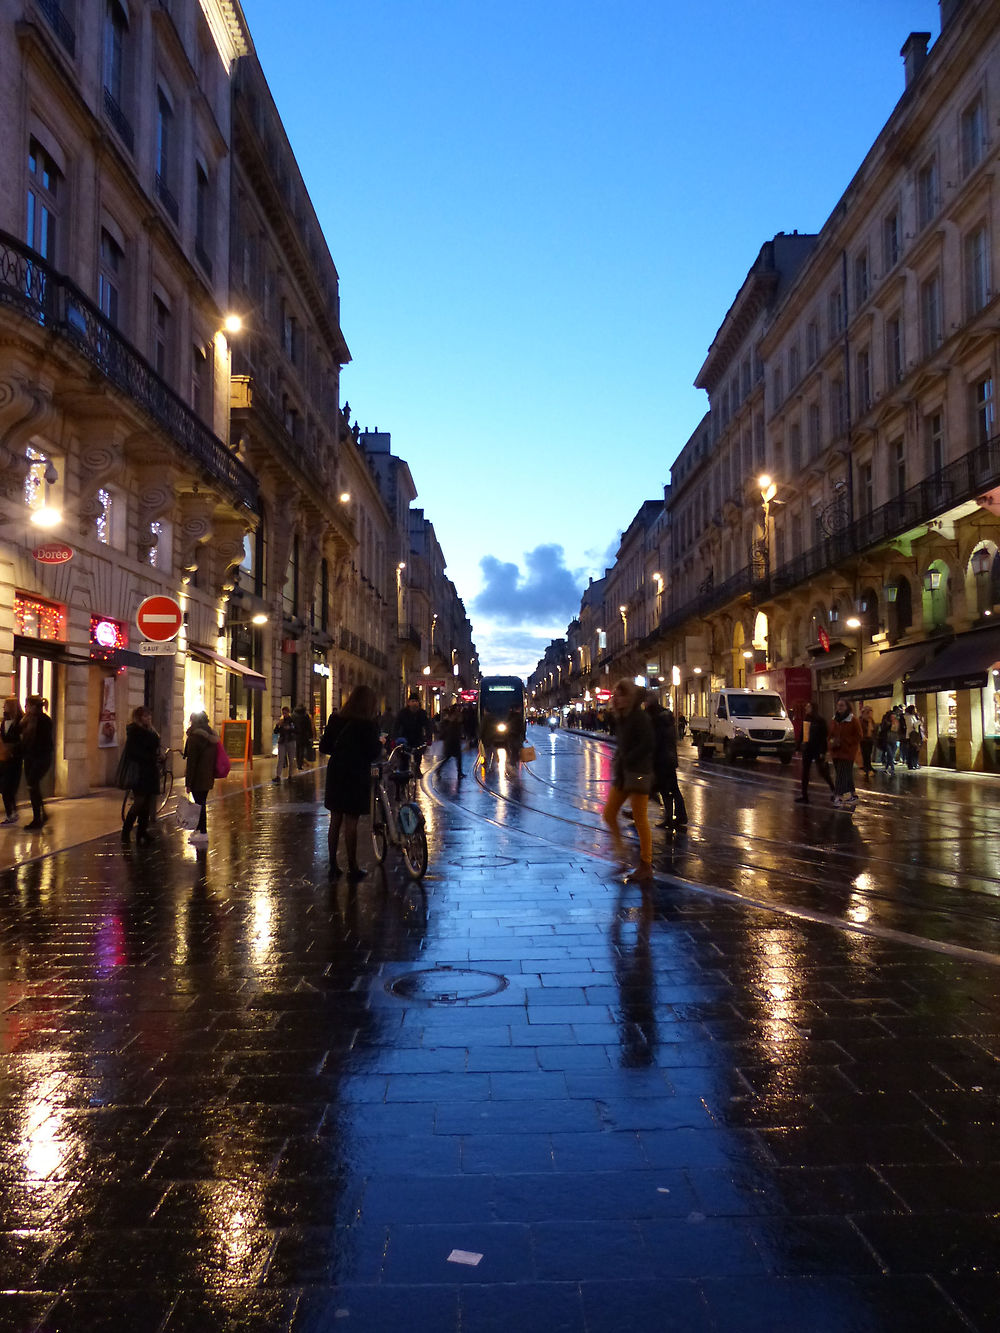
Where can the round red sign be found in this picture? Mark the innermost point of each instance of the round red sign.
(159, 618)
(53, 553)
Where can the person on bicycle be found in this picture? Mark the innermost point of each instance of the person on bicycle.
(413, 728)
(352, 741)
(139, 764)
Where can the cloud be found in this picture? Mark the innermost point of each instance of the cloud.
(546, 593)
(601, 561)
(510, 652)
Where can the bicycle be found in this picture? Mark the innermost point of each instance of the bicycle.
(164, 763)
(396, 817)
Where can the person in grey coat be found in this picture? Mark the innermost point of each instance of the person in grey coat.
(665, 764)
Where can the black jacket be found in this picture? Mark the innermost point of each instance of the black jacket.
(412, 726)
(815, 746)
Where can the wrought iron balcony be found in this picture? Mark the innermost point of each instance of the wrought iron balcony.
(59, 23)
(46, 298)
(166, 198)
(118, 118)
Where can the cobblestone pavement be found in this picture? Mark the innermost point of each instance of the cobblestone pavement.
(236, 1094)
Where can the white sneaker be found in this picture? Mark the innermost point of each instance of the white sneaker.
(199, 839)
(9, 819)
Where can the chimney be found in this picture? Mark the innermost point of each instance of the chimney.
(914, 53)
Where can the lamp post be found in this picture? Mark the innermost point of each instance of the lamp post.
(854, 623)
(623, 612)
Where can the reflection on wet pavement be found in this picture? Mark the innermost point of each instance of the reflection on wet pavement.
(237, 1095)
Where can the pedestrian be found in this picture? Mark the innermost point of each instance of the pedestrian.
(632, 772)
(915, 734)
(141, 774)
(285, 736)
(844, 745)
(305, 736)
(470, 725)
(682, 726)
(200, 748)
(868, 733)
(413, 728)
(351, 740)
(10, 757)
(451, 738)
(814, 742)
(37, 751)
(886, 741)
(665, 764)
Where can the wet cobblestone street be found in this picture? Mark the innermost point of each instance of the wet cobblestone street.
(237, 1094)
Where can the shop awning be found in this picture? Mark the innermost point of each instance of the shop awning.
(253, 680)
(878, 678)
(964, 664)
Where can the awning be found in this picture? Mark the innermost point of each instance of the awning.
(878, 678)
(964, 664)
(253, 680)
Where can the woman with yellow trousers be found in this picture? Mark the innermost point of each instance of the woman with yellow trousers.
(632, 773)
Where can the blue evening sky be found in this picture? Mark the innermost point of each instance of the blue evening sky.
(541, 211)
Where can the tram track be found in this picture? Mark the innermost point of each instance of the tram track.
(733, 862)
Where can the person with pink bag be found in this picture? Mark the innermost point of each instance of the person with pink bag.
(201, 749)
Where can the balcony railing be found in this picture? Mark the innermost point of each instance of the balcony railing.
(47, 298)
(118, 118)
(166, 198)
(955, 484)
(59, 23)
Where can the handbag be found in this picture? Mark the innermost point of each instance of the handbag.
(222, 761)
(127, 776)
(527, 754)
(188, 813)
(6, 752)
(640, 782)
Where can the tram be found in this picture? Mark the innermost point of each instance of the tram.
(501, 711)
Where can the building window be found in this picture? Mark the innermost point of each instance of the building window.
(973, 135)
(934, 436)
(163, 339)
(977, 269)
(927, 193)
(290, 592)
(777, 390)
(835, 304)
(44, 180)
(897, 465)
(812, 341)
(203, 219)
(109, 277)
(984, 410)
(794, 448)
(838, 408)
(863, 375)
(201, 382)
(794, 368)
(930, 314)
(116, 70)
(890, 240)
(815, 429)
(165, 154)
(861, 281)
(894, 349)
(105, 516)
(867, 488)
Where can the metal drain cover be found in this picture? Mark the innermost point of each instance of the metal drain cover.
(484, 860)
(447, 985)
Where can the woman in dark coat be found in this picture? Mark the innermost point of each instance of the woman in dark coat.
(351, 739)
(10, 763)
(139, 763)
(199, 774)
(632, 772)
(37, 750)
(815, 734)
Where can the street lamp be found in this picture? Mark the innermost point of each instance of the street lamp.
(854, 623)
(623, 612)
(768, 490)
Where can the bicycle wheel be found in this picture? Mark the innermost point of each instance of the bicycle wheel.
(414, 848)
(166, 789)
(380, 827)
(413, 840)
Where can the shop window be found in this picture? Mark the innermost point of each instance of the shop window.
(35, 618)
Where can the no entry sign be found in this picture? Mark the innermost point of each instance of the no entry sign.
(159, 619)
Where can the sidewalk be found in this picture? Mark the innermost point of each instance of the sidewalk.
(74, 820)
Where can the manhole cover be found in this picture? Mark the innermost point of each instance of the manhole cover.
(446, 985)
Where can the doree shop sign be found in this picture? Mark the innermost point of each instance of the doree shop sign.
(53, 553)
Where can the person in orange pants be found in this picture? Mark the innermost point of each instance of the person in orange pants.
(632, 772)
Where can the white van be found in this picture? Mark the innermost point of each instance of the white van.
(745, 724)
